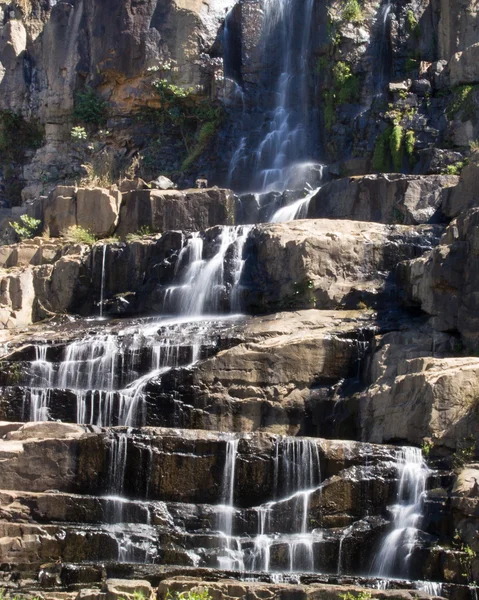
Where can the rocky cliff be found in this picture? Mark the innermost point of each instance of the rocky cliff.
(259, 392)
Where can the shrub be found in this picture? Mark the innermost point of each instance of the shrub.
(455, 169)
(352, 12)
(89, 108)
(198, 594)
(27, 228)
(78, 235)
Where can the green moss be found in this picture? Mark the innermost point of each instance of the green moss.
(381, 157)
(396, 147)
(409, 145)
(413, 24)
(346, 84)
(463, 102)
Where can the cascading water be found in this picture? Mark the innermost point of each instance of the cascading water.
(102, 285)
(200, 284)
(383, 53)
(297, 475)
(108, 373)
(393, 556)
(295, 210)
(284, 137)
(233, 557)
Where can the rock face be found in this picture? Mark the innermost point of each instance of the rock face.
(404, 199)
(189, 210)
(105, 212)
(464, 195)
(463, 66)
(443, 282)
(429, 398)
(163, 526)
(327, 263)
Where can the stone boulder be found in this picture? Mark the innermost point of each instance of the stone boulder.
(188, 210)
(98, 210)
(94, 209)
(116, 589)
(59, 210)
(17, 295)
(230, 590)
(405, 199)
(326, 263)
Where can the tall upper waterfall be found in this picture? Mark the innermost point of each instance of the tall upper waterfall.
(284, 136)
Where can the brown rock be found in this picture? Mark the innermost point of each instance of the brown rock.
(98, 210)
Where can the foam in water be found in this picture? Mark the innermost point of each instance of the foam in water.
(295, 210)
(200, 284)
(395, 551)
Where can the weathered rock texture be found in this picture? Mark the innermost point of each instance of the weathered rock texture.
(405, 199)
(104, 212)
(444, 281)
(328, 263)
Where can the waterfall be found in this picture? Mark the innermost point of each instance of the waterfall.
(102, 287)
(37, 398)
(431, 588)
(108, 373)
(285, 132)
(200, 285)
(117, 465)
(233, 555)
(395, 551)
(383, 56)
(295, 210)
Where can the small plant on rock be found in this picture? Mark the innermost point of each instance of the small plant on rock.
(90, 108)
(195, 594)
(79, 133)
(78, 235)
(139, 235)
(28, 227)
